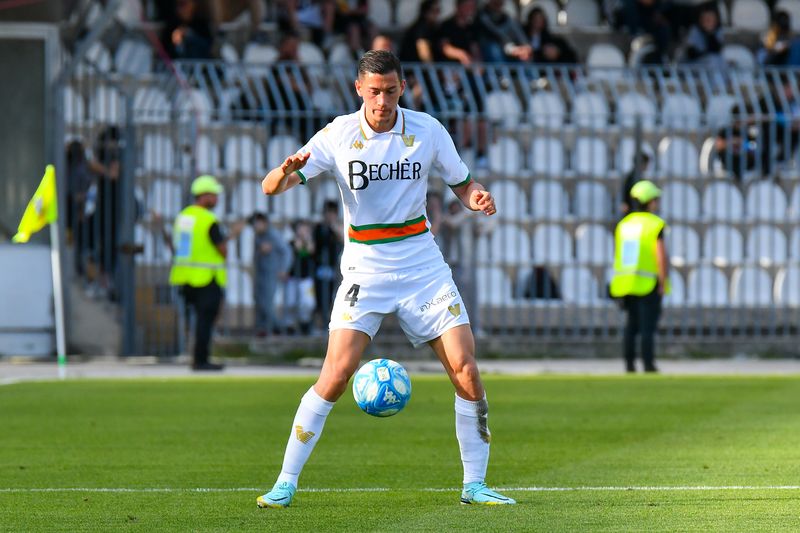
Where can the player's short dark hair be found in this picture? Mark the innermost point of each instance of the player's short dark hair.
(379, 62)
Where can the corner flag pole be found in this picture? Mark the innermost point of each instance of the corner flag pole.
(58, 300)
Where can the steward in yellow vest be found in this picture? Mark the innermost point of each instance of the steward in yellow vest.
(198, 264)
(641, 270)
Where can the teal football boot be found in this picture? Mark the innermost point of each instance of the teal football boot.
(280, 496)
(479, 494)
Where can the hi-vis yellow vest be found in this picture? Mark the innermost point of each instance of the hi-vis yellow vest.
(196, 260)
(635, 255)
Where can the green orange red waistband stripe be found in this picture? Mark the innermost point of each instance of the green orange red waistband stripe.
(382, 233)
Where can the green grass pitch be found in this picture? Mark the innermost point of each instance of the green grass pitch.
(700, 453)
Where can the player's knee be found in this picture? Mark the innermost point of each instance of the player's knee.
(468, 375)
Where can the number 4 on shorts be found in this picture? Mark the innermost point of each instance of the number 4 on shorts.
(352, 295)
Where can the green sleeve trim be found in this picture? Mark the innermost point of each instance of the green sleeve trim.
(465, 182)
(302, 176)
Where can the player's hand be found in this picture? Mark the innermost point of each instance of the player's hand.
(294, 163)
(482, 201)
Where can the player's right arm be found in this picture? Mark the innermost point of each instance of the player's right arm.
(284, 177)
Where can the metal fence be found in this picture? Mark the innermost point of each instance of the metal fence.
(553, 144)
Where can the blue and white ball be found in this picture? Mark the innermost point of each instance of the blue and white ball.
(382, 387)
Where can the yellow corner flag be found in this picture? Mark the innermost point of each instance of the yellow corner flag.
(42, 209)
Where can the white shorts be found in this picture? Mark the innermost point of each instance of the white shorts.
(426, 300)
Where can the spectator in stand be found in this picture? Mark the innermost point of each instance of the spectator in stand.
(460, 43)
(780, 47)
(738, 146)
(705, 40)
(316, 15)
(421, 38)
(79, 179)
(383, 42)
(419, 45)
(272, 259)
(225, 11)
(539, 284)
(648, 17)
(328, 246)
(351, 20)
(501, 36)
(546, 47)
(188, 31)
(299, 297)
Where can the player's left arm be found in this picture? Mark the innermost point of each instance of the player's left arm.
(474, 196)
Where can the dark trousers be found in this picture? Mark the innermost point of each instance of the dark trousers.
(643, 314)
(206, 302)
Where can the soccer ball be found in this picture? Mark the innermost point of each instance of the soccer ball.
(382, 387)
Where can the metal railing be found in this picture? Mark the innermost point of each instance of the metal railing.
(553, 144)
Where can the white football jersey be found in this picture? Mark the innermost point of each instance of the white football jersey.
(383, 179)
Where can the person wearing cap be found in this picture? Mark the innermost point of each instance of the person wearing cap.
(641, 272)
(198, 264)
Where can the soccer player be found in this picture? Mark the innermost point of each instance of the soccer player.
(381, 156)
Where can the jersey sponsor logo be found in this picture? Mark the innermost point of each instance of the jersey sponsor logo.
(362, 173)
(455, 310)
(446, 297)
(303, 436)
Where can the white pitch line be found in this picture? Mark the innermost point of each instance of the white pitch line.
(385, 489)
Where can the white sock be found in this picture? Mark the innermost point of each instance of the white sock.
(306, 430)
(472, 431)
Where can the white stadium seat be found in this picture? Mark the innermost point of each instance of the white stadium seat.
(552, 244)
(206, 153)
(680, 202)
(626, 151)
(605, 61)
(678, 158)
(154, 250)
(246, 244)
(547, 157)
(722, 245)
(751, 286)
(750, 15)
(248, 198)
(794, 204)
(719, 110)
(239, 292)
(683, 245)
(407, 12)
(243, 154)
(582, 14)
(507, 244)
(590, 110)
(546, 110)
(228, 53)
(548, 200)
(326, 189)
(503, 107)
(677, 294)
(380, 12)
(512, 198)
(258, 57)
(98, 56)
(707, 286)
(592, 201)
(723, 201)
(787, 286)
(495, 286)
(292, 204)
(594, 245)
(739, 56)
(680, 112)
(151, 106)
(309, 54)
(194, 105)
(766, 245)
(636, 108)
(765, 201)
(165, 197)
(794, 244)
(579, 286)
(73, 106)
(792, 7)
(106, 105)
(158, 153)
(279, 148)
(340, 54)
(133, 57)
(590, 157)
(505, 157)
